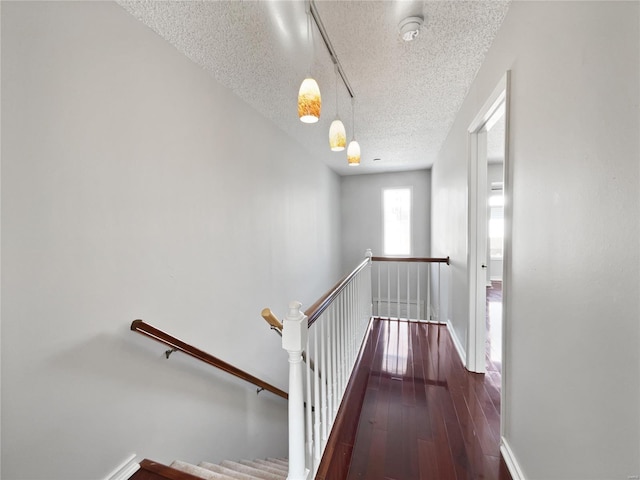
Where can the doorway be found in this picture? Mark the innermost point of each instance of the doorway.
(495, 245)
(487, 192)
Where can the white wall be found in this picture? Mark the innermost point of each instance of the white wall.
(135, 186)
(361, 218)
(572, 334)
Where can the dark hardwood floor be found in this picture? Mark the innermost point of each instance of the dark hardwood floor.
(424, 416)
(494, 333)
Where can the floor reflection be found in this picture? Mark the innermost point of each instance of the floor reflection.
(494, 332)
(424, 416)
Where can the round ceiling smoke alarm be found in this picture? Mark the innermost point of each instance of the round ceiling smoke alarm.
(410, 28)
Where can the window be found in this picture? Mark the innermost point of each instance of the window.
(396, 212)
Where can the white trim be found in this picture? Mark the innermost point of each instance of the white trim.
(125, 469)
(457, 343)
(510, 460)
(493, 103)
(477, 128)
(506, 253)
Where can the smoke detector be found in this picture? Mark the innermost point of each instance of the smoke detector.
(410, 28)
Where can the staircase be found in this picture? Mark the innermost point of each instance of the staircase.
(269, 469)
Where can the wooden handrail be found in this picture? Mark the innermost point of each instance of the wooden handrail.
(162, 337)
(271, 319)
(315, 310)
(411, 259)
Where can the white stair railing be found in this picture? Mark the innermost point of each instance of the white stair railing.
(331, 333)
(410, 288)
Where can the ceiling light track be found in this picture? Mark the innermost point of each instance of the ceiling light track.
(327, 42)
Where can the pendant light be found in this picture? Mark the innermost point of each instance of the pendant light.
(309, 100)
(353, 151)
(337, 133)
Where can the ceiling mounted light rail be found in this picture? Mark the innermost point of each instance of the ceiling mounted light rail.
(313, 9)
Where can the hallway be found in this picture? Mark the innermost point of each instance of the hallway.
(424, 416)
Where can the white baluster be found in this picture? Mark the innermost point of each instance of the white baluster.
(398, 290)
(361, 280)
(345, 367)
(428, 291)
(439, 298)
(350, 335)
(354, 320)
(308, 395)
(294, 339)
(358, 311)
(308, 408)
(343, 344)
(334, 362)
(379, 297)
(420, 311)
(366, 300)
(369, 287)
(408, 292)
(339, 350)
(325, 379)
(316, 397)
(389, 289)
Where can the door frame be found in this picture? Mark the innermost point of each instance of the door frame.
(477, 227)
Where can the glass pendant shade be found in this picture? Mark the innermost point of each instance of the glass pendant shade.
(353, 153)
(337, 136)
(309, 101)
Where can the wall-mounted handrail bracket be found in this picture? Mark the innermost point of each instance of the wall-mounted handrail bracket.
(169, 352)
(258, 390)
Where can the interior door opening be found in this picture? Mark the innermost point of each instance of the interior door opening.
(495, 246)
(488, 189)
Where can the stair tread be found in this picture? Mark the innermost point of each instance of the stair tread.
(281, 461)
(198, 471)
(263, 467)
(284, 468)
(252, 471)
(230, 472)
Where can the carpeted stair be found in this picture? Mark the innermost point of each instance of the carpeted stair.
(269, 469)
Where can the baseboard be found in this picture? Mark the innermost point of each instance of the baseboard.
(456, 342)
(510, 460)
(125, 469)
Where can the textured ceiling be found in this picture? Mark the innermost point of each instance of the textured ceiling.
(406, 94)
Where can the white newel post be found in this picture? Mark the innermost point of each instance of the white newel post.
(294, 340)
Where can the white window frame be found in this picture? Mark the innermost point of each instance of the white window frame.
(411, 214)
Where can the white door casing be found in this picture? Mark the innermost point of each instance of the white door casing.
(495, 106)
